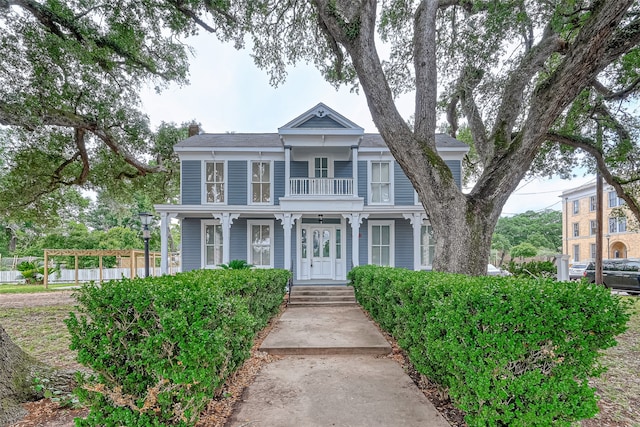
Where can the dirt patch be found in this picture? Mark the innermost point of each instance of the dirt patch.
(39, 299)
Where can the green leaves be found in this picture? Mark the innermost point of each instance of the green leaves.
(510, 351)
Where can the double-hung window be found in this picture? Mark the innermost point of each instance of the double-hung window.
(381, 243)
(260, 243)
(592, 203)
(427, 246)
(380, 181)
(617, 225)
(261, 182)
(213, 247)
(593, 228)
(576, 207)
(576, 229)
(214, 182)
(614, 200)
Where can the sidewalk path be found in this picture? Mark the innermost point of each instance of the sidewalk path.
(331, 377)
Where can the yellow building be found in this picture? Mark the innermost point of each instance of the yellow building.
(579, 225)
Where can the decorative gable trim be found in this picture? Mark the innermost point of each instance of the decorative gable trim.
(321, 120)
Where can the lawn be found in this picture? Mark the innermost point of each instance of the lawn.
(12, 288)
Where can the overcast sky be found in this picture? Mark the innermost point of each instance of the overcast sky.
(227, 92)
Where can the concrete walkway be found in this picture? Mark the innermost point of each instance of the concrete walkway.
(330, 376)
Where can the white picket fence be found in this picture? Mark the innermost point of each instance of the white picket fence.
(84, 275)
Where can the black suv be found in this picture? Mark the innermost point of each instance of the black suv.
(623, 274)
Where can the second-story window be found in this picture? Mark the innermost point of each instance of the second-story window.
(593, 227)
(617, 225)
(576, 206)
(261, 182)
(214, 182)
(576, 229)
(380, 182)
(592, 203)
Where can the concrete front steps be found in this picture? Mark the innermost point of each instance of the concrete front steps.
(321, 295)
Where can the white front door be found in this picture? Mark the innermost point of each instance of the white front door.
(317, 252)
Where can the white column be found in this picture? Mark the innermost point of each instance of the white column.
(226, 219)
(287, 170)
(416, 221)
(287, 220)
(355, 219)
(164, 243)
(354, 161)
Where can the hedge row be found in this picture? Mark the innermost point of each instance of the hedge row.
(511, 352)
(163, 346)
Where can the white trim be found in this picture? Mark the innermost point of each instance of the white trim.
(432, 242)
(250, 183)
(203, 182)
(392, 233)
(250, 224)
(391, 182)
(203, 244)
(312, 165)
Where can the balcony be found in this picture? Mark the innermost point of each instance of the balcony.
(321, 187)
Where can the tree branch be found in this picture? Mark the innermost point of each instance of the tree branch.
(590, 147)
(609, 95)
(424, 60)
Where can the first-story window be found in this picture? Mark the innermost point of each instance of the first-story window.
(381, 250)
(427, 246)
(260, 243)
(212, 244)
(593, 250)
(576, 253)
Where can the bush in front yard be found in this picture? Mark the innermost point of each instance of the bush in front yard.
(163, 346)
(512, 352)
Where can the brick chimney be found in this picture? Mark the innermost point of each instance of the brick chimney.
(194, 129)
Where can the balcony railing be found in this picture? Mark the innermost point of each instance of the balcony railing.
(321, 187)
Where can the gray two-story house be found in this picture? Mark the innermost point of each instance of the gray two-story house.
(317, 197)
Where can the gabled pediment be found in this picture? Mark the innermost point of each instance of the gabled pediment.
(320, 120)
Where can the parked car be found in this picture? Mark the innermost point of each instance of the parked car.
(623, 274)
(576, 271)
(495, 271)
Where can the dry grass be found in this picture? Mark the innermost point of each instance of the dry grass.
(41, 332)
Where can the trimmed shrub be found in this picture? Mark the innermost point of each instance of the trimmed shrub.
(163, 346)
(512, 352)
(530, 269)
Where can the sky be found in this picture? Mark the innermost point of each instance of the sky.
(227, 92)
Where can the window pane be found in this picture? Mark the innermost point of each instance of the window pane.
(384, 172)
(304, 243)
(326, 243)
(219, 174)
(266, 196)
(316, 243)
(385, 257)
(622, 225)
(612, 225)
(210, 172)
(375, 172)
(386, 230)
(255, 172)
(338, 244)
(210, 256)
(375, 256)
(385, 193)
(375, 234)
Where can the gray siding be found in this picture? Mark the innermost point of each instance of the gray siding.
(456, 170)
(404, 244)
(402, 187)
(237, 186)
(238, 239)
(191, 182)
(191, 244)
(324, 122)
(362, 180)
(364, 242)
(278, 184)
(342, 169)
(278, 245)
(299, 169)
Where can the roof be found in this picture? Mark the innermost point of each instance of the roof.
(272, 140)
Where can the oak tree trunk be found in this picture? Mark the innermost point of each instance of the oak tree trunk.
(17, 373)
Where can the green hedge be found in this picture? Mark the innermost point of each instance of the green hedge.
(511, 351)
(163, 346)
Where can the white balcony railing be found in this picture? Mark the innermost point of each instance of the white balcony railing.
(321, 187)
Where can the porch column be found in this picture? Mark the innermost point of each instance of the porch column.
(164, 243)
(226, 219)
(354, 161)
(355, 220)
(416, 222)
(287, 220)
(287, 170)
